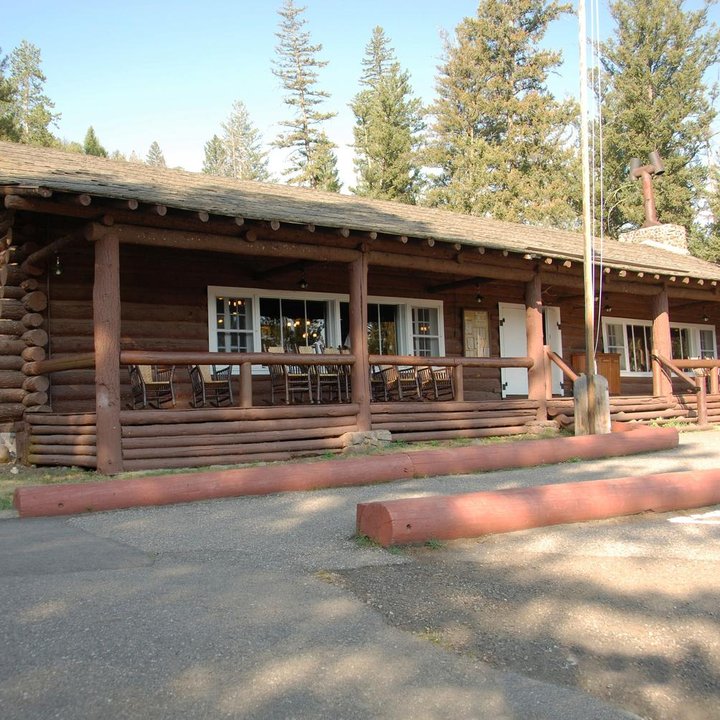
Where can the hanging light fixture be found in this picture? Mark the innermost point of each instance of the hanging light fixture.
(58, 265)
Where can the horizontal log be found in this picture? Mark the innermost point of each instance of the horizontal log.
(498, 421)
(40, 429)
(11, 275)
(11, 292)
(43, 367)
(175, 463)
(63, 460)
(11, 411)
(65, 419)
(10, 362)
(35, 398)
(132, 443)
(409, 407)
(11, 379)
(455, 434)
(275, 413)
(12, 395)
(484, 362)
(473, 514)
(233, 427)
(412, 418)
(626, 416)
(11, 345)
(12, 327)
(11, 309)
(143, 357)
(209, 242)
(74, 439)
(39, 450)
(198, 452)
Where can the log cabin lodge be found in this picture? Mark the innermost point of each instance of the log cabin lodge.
(128, 291)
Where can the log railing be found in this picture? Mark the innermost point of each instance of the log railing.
(551, 357)
(701, 369)
(245, 361)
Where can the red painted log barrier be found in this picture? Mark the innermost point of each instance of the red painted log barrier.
(119, 493)
(446, 517)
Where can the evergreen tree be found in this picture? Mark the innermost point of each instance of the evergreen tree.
(388, 121)
(216, 162)
(500, 139)
(155, 156)
(117, 155)
(655, 99)
(8, 129)
(69, 146)
(296, 66)
(91, 144)
(242, 141)
(31, 108)
(323, 165)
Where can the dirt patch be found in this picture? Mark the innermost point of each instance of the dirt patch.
(640, 633)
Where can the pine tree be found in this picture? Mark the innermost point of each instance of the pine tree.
(216, 162)
(296, 66)
(31, 108)
(655, 99)
(388, 121)
(8, 128)
(155, 156)
(242, 141)
(91, 144)
(501, 145)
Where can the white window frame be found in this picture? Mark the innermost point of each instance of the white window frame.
(404, 320)
(694, 335)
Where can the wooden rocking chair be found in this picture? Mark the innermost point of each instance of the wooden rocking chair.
(151, 385)
(210, 386)
(437, 382)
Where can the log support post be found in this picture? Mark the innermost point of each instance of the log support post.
(662, 344)
(535, 345)
(459, 383)
(246, 398)
(360, 374)
(106, 330)
(702, 411)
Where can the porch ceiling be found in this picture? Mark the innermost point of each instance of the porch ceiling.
(31, 167)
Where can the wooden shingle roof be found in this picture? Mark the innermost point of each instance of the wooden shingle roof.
(28, 166)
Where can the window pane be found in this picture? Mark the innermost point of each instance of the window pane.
(233, 318)
(707, 344)
(425, 331)
(382, 329)
(638, 337)
(680, 339)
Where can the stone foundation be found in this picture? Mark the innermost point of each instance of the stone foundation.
(357, 441)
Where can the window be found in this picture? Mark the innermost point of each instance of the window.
(249, 320)
(425, 331)
(632, 340)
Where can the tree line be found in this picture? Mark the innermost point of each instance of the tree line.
(494, 142)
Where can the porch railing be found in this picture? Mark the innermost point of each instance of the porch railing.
(246, 361)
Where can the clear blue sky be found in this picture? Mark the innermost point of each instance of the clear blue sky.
(163, 70)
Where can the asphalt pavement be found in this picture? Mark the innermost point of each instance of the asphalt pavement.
(222, 609)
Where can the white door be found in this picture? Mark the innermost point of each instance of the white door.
(513, 343)
(553, 338)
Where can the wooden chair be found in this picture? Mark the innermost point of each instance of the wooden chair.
(291, 380)
(408, 383)
(211, 386)
(437, 382)
(384, 383)
(151, 385)
(330, 378)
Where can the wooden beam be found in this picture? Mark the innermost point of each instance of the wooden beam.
(106, 330)
(535, 345)
(662, 344)
(457, 284)
(135, 235)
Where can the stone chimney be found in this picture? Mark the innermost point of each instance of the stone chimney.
(672, 238)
